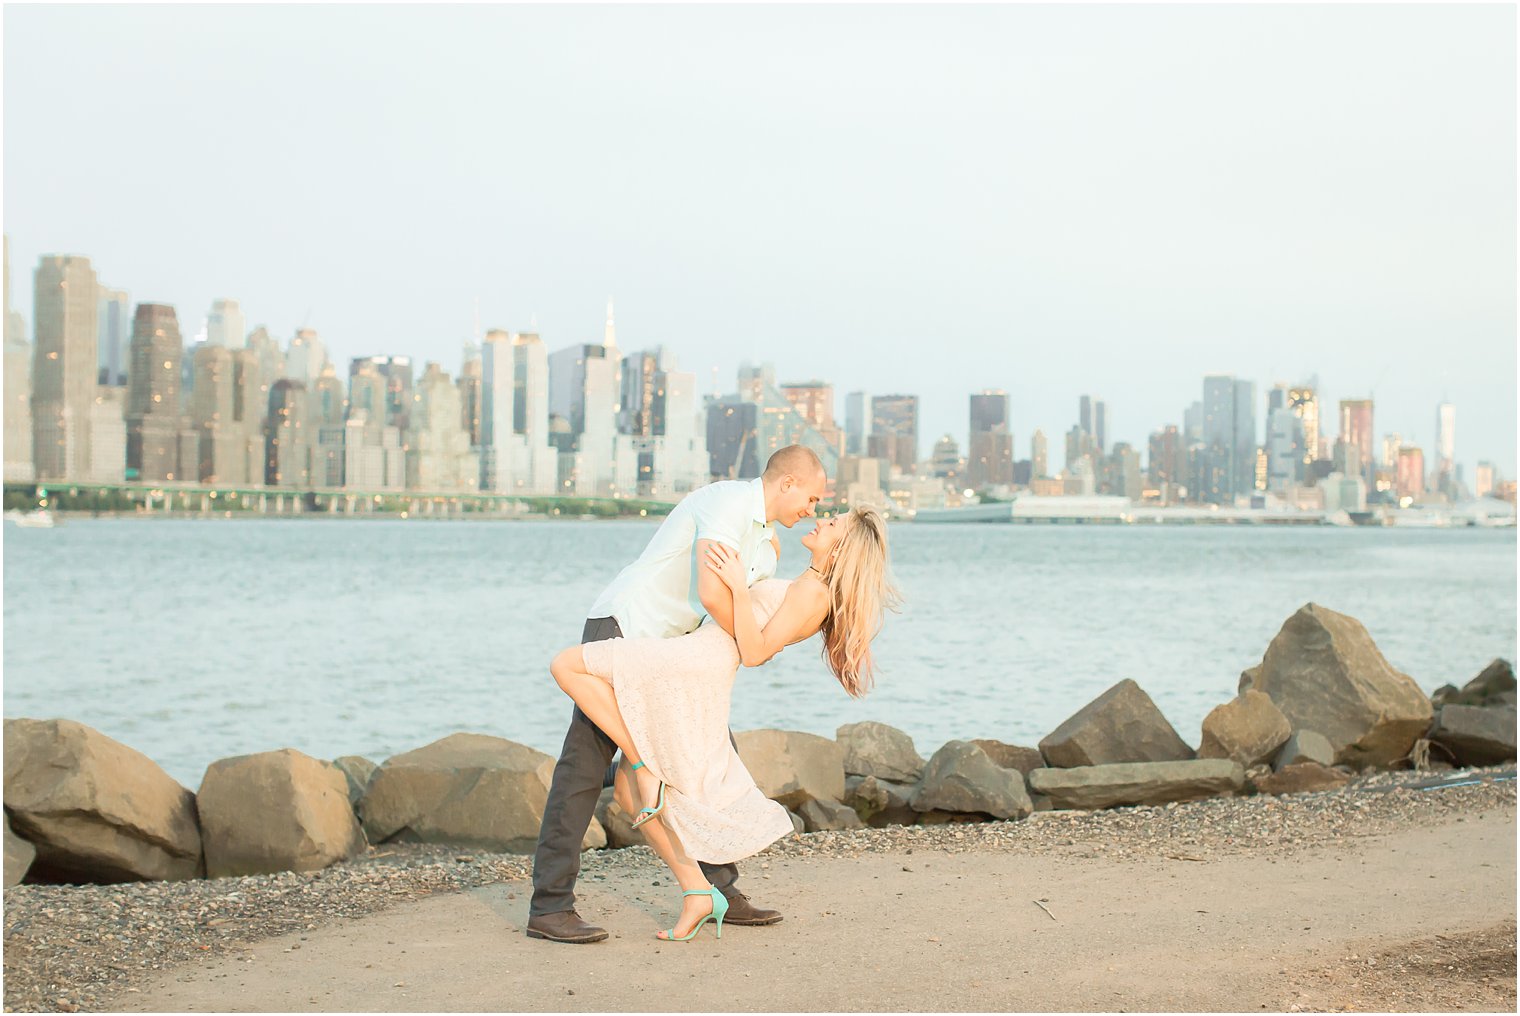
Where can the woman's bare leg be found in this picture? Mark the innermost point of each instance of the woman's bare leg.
(596, 699)
(662, 841)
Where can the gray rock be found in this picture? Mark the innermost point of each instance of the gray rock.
(791, 767)
(1495, 686)
(19, 855)
(820, 815)
(798, 826)
(96, 810)
(1249, 729)
(1011, 756)
(875, 749)
(468, 789)
(880, 803)
(357, 772)
(961, 778)
(1325, 673)
(1121, 725)
(1105, 786)
(1305, 746)
(1475, 735)
(1299, 778)
(276, 811)
(1443, 695)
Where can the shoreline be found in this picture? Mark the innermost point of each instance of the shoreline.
(114, 946)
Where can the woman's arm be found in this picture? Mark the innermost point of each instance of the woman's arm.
(799, 616)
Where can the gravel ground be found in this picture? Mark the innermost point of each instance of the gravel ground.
(68, 947)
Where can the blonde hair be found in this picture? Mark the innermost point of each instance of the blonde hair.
(860, 592)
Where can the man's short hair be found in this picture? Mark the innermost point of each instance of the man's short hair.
(794, 459)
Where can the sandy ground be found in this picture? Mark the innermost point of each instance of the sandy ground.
(1419, 919)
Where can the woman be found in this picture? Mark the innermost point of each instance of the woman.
(665, 702)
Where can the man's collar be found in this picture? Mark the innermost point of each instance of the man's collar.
(759, 484)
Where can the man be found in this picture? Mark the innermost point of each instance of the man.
(665, 593)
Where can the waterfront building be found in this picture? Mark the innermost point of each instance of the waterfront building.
(154, 419)
(108, 435)
(287, 449)
(1168, 463)
(947, 466)
(1356, 430)
(595, 458)
(1411, 475)
(64, 365)
(1039, 464)
(516, 457)
(222, 452)
(896, 416)
(1485, 480)
(989, 457)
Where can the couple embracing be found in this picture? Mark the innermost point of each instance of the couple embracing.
(653, 676)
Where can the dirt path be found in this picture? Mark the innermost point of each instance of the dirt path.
(936, 931)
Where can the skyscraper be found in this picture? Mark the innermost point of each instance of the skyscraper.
(989, 458)
(1093, 419)
(516, 457)
(64, 366)
(153, 410)
(1410, 480)
(1039, 464)
(855, 423)
(115, 332)
(815, 401)
(305, 356)
(1356, 430)
(1446, 446)
(1229, 438)
(18, 389)
(1285, 447)
(288, 450)
(224, 325)
(896, 416)
(222, 456)
(1304, 402)
(438, 453)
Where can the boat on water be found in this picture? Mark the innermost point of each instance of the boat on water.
(40, 518)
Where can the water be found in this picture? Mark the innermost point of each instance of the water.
(194, 640)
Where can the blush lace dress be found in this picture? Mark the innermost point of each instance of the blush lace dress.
(674, 696)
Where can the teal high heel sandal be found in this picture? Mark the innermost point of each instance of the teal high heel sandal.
(645, 814)
(720, 908)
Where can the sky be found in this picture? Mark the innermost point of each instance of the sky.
(1051, 200)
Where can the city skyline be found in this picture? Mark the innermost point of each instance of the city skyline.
(1315, 227)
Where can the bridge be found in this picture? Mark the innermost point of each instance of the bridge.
(210, 499)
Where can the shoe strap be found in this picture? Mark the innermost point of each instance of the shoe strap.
(699, 892)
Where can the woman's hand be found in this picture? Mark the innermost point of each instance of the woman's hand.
(724, 562)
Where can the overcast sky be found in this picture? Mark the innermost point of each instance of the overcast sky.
(1053, 200)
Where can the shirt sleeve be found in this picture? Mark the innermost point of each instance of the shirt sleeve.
(721, 516)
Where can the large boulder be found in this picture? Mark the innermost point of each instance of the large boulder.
(357, 772)
(875, 749)
(1299, 778)
(1249, 729)
(19, 855)
(1305, 746)
(821, 815)
(1105, 786)
(792, 767)
(1011, 756)
(961, 778)
(880, 802)
(470, 789)
(276, 811)
(96, 810)
(1325, 673)
(1121, 725)
(1475, 735)
(1495, 686)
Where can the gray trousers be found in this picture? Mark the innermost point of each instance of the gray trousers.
(573, 794)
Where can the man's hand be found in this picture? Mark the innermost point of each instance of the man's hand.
(724, 562)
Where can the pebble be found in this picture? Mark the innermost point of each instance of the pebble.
(68, 947)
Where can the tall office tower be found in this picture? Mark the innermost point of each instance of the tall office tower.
(945, 463)
(855, 423)
(1245, 437)
(438, 455)
(1126, 480)
(595, 460)
(989, 449)
(678, 451)
(1277, 398)
(814, 400)
(897, 416)
(469, 397)
(114, 332)
(1391, 445)
(732, 449)
(153, 409)
(1093, 419)
(1085, 414)
(1410, 480)
(1285, 448)
(516, 456)
(1039, 464)
(1304, 402)
(329, 404)
(1192, 424)
(1356, 429)
(64, 365)
(1168, 463)
(1483, 483)
(108, 435)
(250, 405)
(1446, 447)
(271, 361)
(222, 452)
(18, 390)
(395, 408)
(305, 356)
(778, 422)
(288, 451)
(225, 326)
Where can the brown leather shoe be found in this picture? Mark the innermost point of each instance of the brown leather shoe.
(742, 911)
(564, 926)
